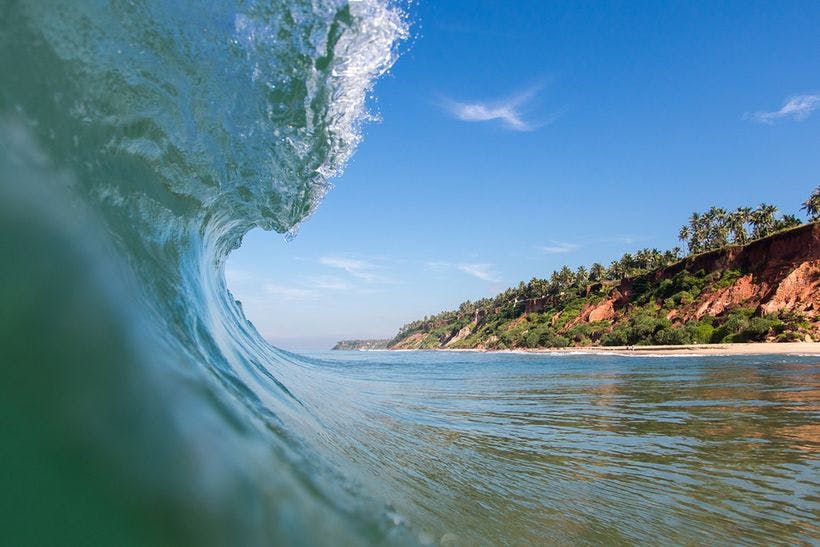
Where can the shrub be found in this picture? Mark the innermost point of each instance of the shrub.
(618, 337)
(560, 342)
(550, 339)
(756, 330)
(684, 281)
(735, 325)
(700, 332)
(665, 289)
(581, 333)
(639, 287)
(545, 337)
(789, 336)
(727, 278)
(794, 320)
(642, 328)
(430, 342)
(684, 298)
(672, 336)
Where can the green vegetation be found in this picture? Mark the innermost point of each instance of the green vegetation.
(717, 227)
(812, 205)
(648, 302)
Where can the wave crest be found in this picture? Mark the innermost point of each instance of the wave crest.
(246, 108)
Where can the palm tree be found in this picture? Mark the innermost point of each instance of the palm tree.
(597, 272)
(537, 288)
(555, 283)
(763, 221)
(581, 277)
(566, 278)
(697, 233)
(684, 235)
(812, 205)
(716, 228)
(786, 222)
(737, 224)
(615, 271)
(671, 256)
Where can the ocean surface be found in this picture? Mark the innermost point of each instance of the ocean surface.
(534, 449)
(139, 142)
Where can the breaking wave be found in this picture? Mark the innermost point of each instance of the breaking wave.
(139, 142)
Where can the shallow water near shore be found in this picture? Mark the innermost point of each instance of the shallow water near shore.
(522, 449)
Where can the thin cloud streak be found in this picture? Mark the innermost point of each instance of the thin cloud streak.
(507, 111)
(798, 108)
(482, 271)
(357, 268)
(557, 248)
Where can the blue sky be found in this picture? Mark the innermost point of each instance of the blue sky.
(516, 137)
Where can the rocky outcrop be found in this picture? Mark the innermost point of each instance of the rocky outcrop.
(460, 335)
(414, 341)
(733, 296)
(797, 291)
(602, 312)
(535, 305)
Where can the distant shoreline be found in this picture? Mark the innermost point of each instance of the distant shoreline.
(753, 348)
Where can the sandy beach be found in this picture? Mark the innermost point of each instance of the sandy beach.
(757, 348)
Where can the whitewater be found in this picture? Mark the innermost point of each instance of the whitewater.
(139, 142)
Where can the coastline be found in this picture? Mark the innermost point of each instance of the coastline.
(752, 348)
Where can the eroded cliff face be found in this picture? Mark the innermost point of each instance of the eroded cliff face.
(771, 277)
(781, 273)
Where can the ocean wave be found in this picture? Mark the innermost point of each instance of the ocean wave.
(139, 142)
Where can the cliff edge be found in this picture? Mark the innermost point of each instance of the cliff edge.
(767, 290)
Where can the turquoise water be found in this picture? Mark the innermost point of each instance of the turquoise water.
(139, 142)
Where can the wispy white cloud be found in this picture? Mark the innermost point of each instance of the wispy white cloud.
(290, 293)
(349, 265)
(327, 282)
(369, 272)
(798, 108)
(507, 111)
(482, 270)
(556, 248)
(485, 272)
